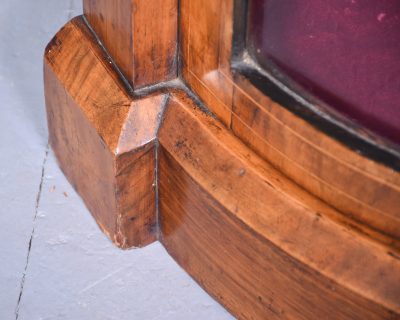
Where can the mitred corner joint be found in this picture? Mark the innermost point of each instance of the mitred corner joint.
(103, 139)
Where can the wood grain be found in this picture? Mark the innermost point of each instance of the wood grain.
(296, 151)
(155, 29)
(103, 139)
(112, 21)
(80, 152)
(366, 193)
(140, 35)
(200, 23)
(257, 242)
(134, 175)
(272, 217)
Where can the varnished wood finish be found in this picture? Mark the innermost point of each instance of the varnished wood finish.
(140, 35)
(103, 140)
(112, 21)
(204, 47)
(155, 29)
(259, 243)
(365, 192)
(272, 217)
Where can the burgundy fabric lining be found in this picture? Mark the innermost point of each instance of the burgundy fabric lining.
(345, 52)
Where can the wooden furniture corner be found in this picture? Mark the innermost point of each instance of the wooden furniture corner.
(165, 141)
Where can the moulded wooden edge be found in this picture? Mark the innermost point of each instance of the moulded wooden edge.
(365, 192)
(257, 242)
(260, 244)
(277, 135)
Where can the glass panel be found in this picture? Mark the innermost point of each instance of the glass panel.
(345, 52)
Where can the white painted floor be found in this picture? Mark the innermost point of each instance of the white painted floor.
(54, 261)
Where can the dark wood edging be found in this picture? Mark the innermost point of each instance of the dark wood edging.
(281, 89)
(365, 192)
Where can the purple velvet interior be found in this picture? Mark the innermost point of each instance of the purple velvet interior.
(345, 52)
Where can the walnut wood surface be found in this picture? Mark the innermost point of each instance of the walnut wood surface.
(112, 21)
(94, 132)
(259, 243)
(204, 37)
(366, 193)
(273, 218)
(326, 168)
(140, 35)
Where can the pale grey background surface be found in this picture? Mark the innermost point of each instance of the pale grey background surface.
(51, 250)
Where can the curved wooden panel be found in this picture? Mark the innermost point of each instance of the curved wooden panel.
(365, 192)
(265, 238)
(258, 243)
(317, 162)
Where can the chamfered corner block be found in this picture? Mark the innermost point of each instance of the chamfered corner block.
(103, 139)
